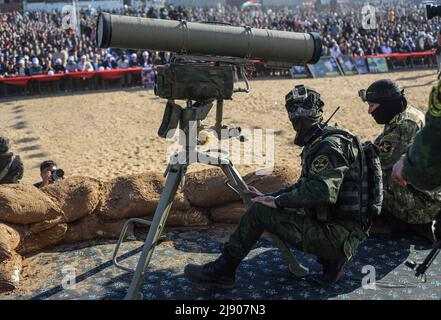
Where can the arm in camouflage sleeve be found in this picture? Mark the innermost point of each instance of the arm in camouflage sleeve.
(422, 164)
(283, 190)
(405, 134)
(323, 182)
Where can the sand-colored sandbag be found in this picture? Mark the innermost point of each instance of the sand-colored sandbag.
(207, 188)
(279, 177)
(136, 196)
(94, 227)
(24, 204)
(193, 217)
(44, 239)
(131, 196)
(228, 213)
(76, 196)
(44, 225)
(10, 270)
(180, 202)
(9, 240)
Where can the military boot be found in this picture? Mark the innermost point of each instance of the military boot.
(333, 270)
(220, 273)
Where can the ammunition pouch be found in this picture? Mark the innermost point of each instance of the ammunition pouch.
(348, 206)
(194, 81)
(170, 120)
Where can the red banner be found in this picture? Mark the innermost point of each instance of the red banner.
(16, 81)
(46, 78)
(404, 55)
(111, 74)
(81, 74)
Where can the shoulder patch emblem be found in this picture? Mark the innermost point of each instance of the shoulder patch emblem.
(385, 147)
(319, 163)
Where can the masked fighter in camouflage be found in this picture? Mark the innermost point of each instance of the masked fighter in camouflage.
(420, 166)
(329, 190)
(407, 209)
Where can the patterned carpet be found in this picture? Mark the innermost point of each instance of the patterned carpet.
(263, 274)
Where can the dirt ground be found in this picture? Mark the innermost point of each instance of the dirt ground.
(108, 134)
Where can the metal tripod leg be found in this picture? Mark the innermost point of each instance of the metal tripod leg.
(173, 179)
(237, 184)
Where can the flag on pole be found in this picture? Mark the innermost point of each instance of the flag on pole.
(250, 3)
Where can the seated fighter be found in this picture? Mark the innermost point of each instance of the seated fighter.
(405, 209)
(332, 225)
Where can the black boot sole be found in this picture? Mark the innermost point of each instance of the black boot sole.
(226, 286)
(217, 284)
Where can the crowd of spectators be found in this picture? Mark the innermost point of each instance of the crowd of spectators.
(35, 43)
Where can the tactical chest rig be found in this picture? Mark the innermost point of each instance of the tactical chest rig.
(361, 192)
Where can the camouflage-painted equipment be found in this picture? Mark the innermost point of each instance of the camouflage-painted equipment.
(194, 81)
(274, 47)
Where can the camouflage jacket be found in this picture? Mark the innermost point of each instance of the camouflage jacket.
(326, 162)
(422, 164)
(406, 203)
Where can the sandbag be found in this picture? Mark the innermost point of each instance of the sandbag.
(44, 239)
(44, 225)
(24, 204)
(76, 196)
(10, 270)
(228, 213)
(207, 188)
(131, 196)
(94, 227)
(280, 177)
(193, 217)
(136, 196)
(9, 240)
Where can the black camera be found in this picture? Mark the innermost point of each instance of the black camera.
(433, 11)
(57, 174)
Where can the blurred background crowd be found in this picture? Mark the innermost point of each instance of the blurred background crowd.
(36, 43)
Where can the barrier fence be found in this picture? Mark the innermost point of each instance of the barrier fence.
(328, 66)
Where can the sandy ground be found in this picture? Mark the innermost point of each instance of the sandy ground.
(107, 134)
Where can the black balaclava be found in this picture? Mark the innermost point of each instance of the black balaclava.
(388, 109)
(304, 128)
(389, 96)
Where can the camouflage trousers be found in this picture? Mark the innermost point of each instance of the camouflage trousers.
(408, 204)
(325, 240)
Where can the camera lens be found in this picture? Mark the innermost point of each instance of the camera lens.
(433, 11)
(57, 174)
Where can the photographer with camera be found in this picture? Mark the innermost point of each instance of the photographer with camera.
(49, 174)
